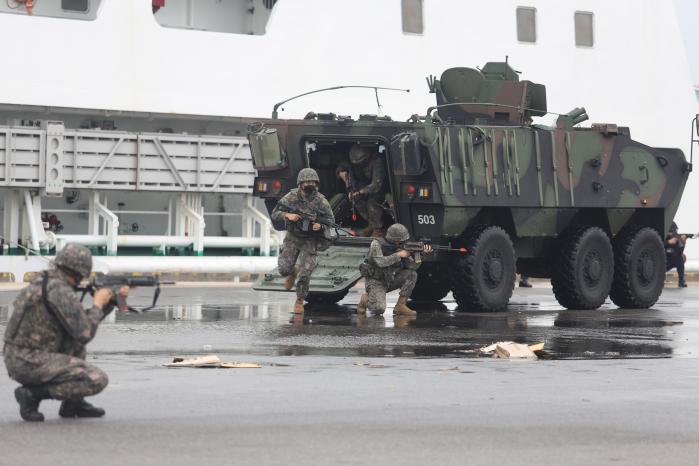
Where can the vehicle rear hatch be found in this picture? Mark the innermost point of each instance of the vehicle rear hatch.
(337, 270)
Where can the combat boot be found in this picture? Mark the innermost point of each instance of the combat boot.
(361, 305)
(366, 231)
(682, 284)
(79, 408)
(29, 399)
(298, 306)
(291, 278)
(402, 308)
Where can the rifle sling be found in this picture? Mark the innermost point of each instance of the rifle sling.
(52, 310)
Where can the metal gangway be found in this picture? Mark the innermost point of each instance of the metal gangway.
(37, 163)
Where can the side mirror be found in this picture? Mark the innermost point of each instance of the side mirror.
(406, 155)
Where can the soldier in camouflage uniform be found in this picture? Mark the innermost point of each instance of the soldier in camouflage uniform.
(369, 172)
(384, 273)
(46, 336)
(298, 257)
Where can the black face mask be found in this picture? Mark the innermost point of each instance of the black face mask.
(309, 189)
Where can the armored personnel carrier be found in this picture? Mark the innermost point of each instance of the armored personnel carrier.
(586, 207)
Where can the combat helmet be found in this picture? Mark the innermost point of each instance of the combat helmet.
(397, 233)
(307, 174)
(75, 259)
(359, 154)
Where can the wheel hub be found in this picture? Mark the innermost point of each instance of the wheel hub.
(595, 269)
(645, 268)
(648, 268)
(493, 268)
(592, 268)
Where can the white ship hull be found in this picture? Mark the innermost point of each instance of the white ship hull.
(636, 74)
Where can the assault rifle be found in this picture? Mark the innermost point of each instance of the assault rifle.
(115, 283)
(109, 281)
(351, 187)
(417, 248)
(309, 218)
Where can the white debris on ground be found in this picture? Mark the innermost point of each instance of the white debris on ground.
(512, 350)
(209, 361)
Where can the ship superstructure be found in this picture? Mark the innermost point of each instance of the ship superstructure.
(118, 85)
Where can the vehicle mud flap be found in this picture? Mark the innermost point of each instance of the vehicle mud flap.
(337, 270)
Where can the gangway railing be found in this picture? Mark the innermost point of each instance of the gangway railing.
(45, 161)
(53, 158)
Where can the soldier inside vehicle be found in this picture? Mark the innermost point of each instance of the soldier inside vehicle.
(353, 178)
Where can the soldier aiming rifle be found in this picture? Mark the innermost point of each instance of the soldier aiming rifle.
(391, 264)
(46, 336)
(674, 253)
(309, 221)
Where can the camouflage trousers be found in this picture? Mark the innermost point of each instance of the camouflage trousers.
(404, 280)
(302, 253)
(67, 376)
(370, 210)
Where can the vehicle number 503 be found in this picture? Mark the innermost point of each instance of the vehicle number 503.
(426, 220)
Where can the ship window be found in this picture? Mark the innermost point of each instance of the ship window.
(412, 16)
(526, 24)
(584, 33)
(75, 5)
(232, 16)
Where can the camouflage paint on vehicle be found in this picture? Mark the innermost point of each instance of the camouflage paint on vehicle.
(477, 158)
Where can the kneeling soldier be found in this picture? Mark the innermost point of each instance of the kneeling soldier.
(301, 247)
(384, 273)
(46, 336)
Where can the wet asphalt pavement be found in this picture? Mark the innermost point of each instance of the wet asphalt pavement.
(243, 321)
(620, 387)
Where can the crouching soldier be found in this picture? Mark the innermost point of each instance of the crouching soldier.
(304, 239)
(394, 270)
(46, 336)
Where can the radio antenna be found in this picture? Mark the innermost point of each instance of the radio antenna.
(275, 113)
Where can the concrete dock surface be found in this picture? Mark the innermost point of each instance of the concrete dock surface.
(618, 386)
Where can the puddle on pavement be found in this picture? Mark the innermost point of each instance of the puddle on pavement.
(439, 330)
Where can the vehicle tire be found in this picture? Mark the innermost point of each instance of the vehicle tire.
(432, 282)
(639, 269)
(484, 277)
(326, 298)
(583, 269)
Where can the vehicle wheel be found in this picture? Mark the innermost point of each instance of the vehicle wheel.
(326, 298)
(432, 283)
(639, 269)
(583, 269)
(484, 277)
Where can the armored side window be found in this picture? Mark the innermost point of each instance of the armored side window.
(584, 32)
(406, 155)
(412, 16)
(266, 149)
(75, 5)
(526, 24)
